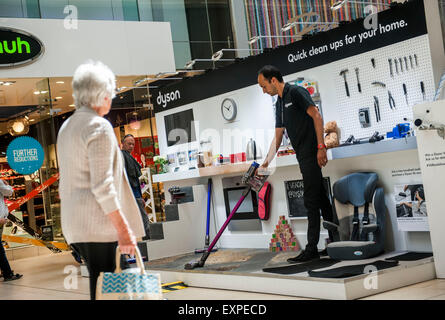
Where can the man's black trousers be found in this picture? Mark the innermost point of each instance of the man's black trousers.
(315, 199)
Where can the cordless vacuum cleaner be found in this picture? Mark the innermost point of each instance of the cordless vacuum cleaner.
(251, 181)
(207, 238)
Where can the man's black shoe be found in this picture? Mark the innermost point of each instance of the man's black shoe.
(13, 277)
(323, 253)
(305, 256)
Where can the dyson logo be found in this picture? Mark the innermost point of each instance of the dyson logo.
(163, 99)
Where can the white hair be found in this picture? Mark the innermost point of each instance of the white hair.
(92, 82)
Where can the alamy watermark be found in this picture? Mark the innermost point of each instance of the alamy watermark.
(371, 281)
(71, 280)
(71, 21)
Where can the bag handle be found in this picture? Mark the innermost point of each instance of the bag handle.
(139, 261)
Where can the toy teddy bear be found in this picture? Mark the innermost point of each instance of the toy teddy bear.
(331, 139)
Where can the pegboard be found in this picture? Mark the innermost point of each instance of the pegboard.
(347, 108)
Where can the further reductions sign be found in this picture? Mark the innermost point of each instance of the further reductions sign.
(18, 48)
(25, 155)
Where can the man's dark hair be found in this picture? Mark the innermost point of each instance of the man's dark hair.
(270, 72)
(126, 136)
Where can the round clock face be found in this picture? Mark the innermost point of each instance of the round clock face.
(228, 109)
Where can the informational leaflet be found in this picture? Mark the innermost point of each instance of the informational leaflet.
(411, 207)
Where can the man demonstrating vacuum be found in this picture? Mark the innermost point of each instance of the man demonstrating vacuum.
(296, 112)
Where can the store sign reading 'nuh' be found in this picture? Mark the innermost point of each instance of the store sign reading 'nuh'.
(18, 48)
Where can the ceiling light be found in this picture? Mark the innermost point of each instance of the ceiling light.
(43, 92)
(36, 92)
(138, 82)
(288, 26)
(6, 83)
(254, 39)
(217, 55)
(59, 97)
(18, 127)
(32, 120)
(190, 64)
(60, 82)
(160, 74)
(337, 5)
(71, 105)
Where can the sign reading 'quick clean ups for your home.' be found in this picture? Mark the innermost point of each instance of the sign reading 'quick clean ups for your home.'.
(18, 48)
(25, 155)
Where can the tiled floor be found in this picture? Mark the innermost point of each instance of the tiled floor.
(50, 278)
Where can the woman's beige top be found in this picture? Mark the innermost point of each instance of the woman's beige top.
(93, 182)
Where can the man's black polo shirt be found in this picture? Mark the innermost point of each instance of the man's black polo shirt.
(291, 113)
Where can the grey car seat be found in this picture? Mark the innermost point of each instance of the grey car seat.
(359, 218)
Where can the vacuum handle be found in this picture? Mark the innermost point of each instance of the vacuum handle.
(235, 209)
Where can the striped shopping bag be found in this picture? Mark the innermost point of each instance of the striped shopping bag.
(130, 284)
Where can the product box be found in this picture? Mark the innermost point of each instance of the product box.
(238, 157)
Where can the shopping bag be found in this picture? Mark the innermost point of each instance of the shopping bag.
(130, 284)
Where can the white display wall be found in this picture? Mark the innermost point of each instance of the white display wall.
(256, 119)
(256, 112)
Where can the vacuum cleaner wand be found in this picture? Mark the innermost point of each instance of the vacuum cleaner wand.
(209, 195)
(248, 177)
(207, 238)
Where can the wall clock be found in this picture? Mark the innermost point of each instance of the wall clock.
(229, 109)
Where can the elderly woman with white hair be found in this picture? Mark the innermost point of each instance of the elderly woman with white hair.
(98, 209)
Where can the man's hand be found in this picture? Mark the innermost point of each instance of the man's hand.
(264, 165)
(3, 221)
(263, 168)
(322, 158)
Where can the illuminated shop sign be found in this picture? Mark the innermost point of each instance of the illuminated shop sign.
(18, 48)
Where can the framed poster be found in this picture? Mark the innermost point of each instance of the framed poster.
(411, 207)
(171, 158)
(295, 197)
(182, 158)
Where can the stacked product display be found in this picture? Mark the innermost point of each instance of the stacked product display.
(283, 238)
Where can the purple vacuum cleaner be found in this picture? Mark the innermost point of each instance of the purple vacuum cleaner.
(253, 182)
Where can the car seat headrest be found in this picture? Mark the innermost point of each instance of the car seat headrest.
(356, 188)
